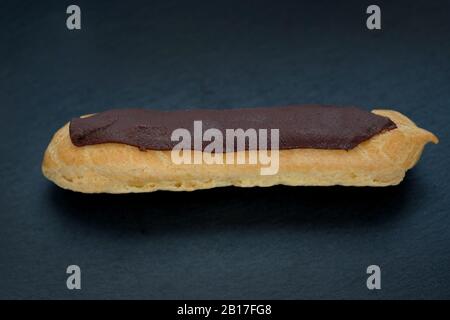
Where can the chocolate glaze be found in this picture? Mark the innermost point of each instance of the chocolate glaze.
(308, 126)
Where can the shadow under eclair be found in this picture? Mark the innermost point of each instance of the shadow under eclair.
(246, 208)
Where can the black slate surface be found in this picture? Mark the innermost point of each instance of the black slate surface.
(235, 243)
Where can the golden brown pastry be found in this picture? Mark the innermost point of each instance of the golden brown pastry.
(381, 160)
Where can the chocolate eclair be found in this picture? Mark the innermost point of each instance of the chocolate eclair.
(143, 150)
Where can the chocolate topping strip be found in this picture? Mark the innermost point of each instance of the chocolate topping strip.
(300, 126)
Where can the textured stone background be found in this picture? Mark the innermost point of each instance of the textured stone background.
(276, 242)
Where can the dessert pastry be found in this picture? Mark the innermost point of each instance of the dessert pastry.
(132, 150)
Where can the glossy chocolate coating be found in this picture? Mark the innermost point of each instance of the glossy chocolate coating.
(306, 126)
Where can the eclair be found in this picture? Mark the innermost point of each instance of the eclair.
(144, 150)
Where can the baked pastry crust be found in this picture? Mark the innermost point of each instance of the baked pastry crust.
(118, 168)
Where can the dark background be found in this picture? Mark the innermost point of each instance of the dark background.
(280, 242)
